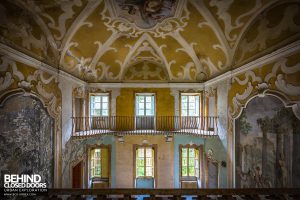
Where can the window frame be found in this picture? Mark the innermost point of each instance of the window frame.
(144, 166)
(108, 94)
(201, 173)
(92, 159)
(135, 148)
(199, 94)
(88, 176)
(188, 166)
(136, 106)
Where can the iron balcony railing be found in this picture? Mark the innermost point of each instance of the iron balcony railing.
(88, 126)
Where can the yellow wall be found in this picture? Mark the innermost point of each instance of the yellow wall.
(265, 79)
(125, 161)
(126, 101)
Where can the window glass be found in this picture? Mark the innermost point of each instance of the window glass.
(145, 105)
(97, 98)
(104, 112)
(144, 162)
(189, 162)
(96, 163)
(149, 112)
(141, 112)
(190, 105)
(105, 106)
(99, 105)
(97, 112)
(105, 98)
(141, 105)
(148, 105)
(99, 162)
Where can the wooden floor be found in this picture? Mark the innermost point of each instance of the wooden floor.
(176, 194)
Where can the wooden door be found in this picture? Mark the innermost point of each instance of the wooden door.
(212, 174)
(77, 176)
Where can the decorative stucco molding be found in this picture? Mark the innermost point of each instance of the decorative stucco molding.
(41, 85)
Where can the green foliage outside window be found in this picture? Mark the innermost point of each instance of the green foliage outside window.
(189, 162)
(145, 162)
(96, 162)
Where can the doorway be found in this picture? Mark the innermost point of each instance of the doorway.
(77, 175)
(213, 173)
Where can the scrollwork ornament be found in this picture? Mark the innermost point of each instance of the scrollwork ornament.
(262, 88)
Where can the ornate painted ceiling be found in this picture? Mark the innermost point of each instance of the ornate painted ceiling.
(148, 40)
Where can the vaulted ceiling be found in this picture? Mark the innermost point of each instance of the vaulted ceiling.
(148, 40)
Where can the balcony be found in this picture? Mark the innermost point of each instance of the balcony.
(134, 125)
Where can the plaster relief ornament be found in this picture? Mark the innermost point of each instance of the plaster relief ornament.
(210, 154)
(145, 13)
(262, 88)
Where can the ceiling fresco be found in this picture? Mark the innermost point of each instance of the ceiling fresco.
(148, 40)
(144, 13)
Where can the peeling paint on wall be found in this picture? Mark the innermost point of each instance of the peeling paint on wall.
(26, 138)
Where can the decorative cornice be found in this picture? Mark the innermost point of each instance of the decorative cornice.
(147, 85)
(23, 58)
(284, 51)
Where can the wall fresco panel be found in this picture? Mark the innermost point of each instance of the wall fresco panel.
(26, 138)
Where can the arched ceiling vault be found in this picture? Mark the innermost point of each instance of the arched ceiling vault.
(151, 40)
(35, 14)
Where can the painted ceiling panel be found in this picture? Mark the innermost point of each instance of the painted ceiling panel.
(178, 62)
(158, 40)
(273, 28)
(59, 15)
(233, 15)
(146, 71)
(204, 42)
(20, 30)
(115, 57)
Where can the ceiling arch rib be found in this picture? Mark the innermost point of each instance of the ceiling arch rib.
(68, 12)
(212, 23)
(78, 22)
(226, 17)
(144, 53)
(208, 39)
(187, 48)
(145, 38)
(102, 49)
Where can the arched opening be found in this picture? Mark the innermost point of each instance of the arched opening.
(267, 145)
(26, 138)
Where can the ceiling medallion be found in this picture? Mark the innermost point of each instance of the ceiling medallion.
(145, 14)
(135, 17)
